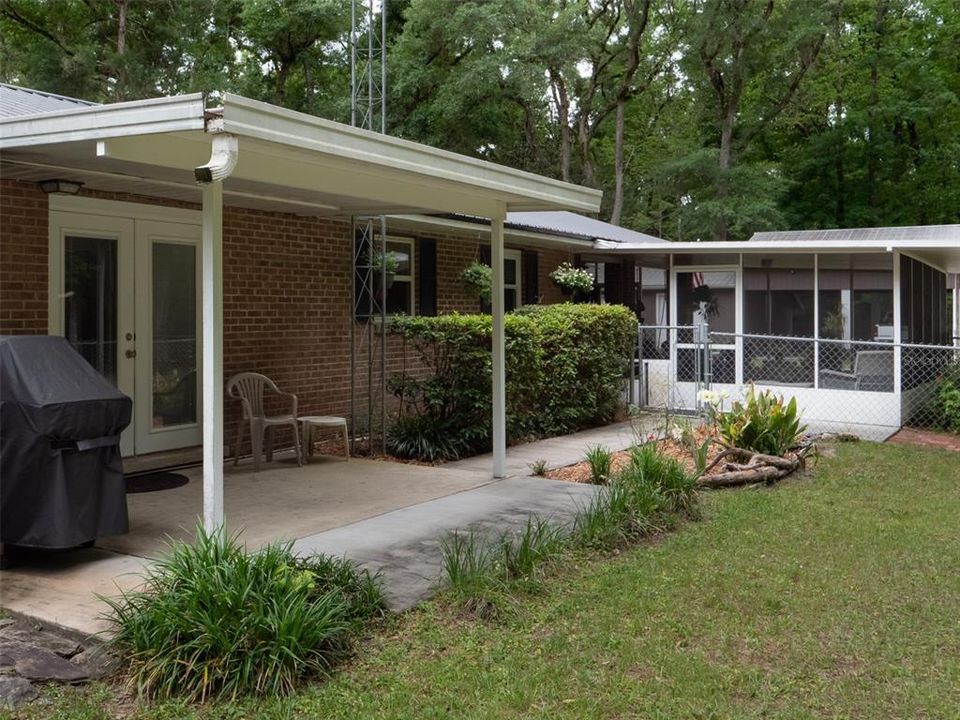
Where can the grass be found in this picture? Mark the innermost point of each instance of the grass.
(835, 596)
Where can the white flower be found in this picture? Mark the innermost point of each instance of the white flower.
(708, 396)
(676, 432)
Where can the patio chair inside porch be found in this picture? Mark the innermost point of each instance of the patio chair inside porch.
(872, 371)
(249, 388)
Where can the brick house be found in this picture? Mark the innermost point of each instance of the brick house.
(107, 238)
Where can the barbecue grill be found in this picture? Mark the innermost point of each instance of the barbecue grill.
(61, 476)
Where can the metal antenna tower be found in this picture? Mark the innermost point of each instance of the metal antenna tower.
(368, 110)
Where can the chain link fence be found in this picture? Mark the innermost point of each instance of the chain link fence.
(870, 388)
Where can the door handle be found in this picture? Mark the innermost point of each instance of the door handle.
(131, 353)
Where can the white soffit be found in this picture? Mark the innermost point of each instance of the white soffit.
(322, 166)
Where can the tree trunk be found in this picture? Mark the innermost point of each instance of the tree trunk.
(121, 75)
(562, 101)
(618, 165)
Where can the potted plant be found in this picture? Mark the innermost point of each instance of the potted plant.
(477, 277)
(572, 281)
(383, 264)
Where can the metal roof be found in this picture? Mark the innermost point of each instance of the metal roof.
(18, 101)
(889, 235)
(563, 222)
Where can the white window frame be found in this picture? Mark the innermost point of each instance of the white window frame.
(411, 277)
(517, 257)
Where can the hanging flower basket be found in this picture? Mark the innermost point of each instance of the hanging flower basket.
(573, 282)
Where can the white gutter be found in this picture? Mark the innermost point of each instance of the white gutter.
(483, 229)
(98, 122)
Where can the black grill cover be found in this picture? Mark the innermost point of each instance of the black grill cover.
(61, 477)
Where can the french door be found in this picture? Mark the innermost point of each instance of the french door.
(125, 293)
(711, 295)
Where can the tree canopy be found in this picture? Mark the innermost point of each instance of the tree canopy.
(707, 119)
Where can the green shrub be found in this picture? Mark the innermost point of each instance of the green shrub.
(419, 437)
(762, 423)
(943, 410)
(564, 366)
(214, 621)
(600, 460)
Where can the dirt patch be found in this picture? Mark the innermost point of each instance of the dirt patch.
(926, 438)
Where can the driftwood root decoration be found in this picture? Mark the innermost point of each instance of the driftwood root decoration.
(752, 467)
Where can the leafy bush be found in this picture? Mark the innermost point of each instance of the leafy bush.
(215, 621)
(762, 423)
(600, 460)
(564, 367)
(943, 410)
(418, 437)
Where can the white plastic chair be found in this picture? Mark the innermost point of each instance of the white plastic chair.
(249, 389)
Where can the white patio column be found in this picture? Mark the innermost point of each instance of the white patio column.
(212, 291)
(499, 348)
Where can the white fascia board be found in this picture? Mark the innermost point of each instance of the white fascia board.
(781, 247)
(97, 122)
(437, 224)
(521, 190)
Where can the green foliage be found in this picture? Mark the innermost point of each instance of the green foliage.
(214, 621)
(677, 488)
(600, 460)
(763, 423)
(572, 279)
(477, 277)
(384, 261)
(421, 437)
(944, 409)
(477, 569)
(564, 372)
(538, 468)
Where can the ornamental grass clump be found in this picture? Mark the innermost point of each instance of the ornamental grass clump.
(214, 621)
(600, 460)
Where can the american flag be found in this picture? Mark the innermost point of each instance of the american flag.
(697, 279)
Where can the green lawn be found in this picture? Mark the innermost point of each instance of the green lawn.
(831, 596)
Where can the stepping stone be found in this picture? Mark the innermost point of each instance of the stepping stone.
(15, 691)
(64, 647)
(36, 663)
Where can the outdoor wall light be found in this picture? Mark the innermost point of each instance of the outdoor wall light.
(66, 187)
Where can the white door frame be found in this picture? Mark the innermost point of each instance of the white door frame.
(133, 226)
(736, 345)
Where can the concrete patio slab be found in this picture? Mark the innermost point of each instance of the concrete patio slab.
(284, 501)
(404, 545)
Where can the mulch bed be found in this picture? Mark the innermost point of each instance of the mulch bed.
(580, 472)
(926, 438)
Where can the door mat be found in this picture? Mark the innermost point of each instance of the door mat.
(151, 482)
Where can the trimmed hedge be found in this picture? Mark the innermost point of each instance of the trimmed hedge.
(565, 366)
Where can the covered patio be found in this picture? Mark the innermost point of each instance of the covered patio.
(248, 154)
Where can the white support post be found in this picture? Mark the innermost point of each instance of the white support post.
(212, 286)
(499, 348)
(897, 327)
(816, 321)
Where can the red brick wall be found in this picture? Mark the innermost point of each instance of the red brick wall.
(287, 295)
(23, 259)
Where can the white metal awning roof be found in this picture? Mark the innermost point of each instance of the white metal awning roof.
(941, 252)
(288, 161)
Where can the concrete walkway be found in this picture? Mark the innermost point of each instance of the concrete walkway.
(404, 545)
(564, 450)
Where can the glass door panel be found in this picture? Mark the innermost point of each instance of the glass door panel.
(90, 300)
(174, 342)
(167, 407)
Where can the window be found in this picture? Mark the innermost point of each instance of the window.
(399, 298)
(512, 278)
(512, 261)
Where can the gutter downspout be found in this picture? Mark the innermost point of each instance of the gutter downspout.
(223, 159)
